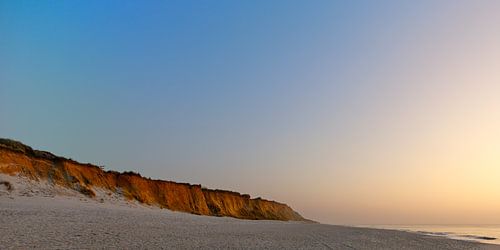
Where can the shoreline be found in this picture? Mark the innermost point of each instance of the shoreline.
(445, 231)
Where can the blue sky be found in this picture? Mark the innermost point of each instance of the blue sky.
(306, 102)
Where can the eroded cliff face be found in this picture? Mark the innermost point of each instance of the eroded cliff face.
(17, 158)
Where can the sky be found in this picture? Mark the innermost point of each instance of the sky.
(351, 112)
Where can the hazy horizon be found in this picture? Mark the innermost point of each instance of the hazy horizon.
(350, 112)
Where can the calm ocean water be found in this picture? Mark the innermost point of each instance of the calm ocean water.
(482, 233)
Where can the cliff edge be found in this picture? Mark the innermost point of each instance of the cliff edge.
(17, 158)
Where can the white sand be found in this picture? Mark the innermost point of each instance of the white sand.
(37, 215)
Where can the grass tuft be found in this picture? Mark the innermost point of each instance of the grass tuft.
(7, 184)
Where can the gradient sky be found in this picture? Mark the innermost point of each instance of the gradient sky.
(352, 112)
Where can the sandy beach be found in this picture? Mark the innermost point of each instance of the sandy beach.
(46, 217)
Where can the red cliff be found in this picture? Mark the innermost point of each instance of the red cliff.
(17, 158)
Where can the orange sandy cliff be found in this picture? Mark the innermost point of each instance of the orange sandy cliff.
(17, 158)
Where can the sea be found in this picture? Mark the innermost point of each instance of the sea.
(480, 233)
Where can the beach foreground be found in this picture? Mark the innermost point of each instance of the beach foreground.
(62, 222)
